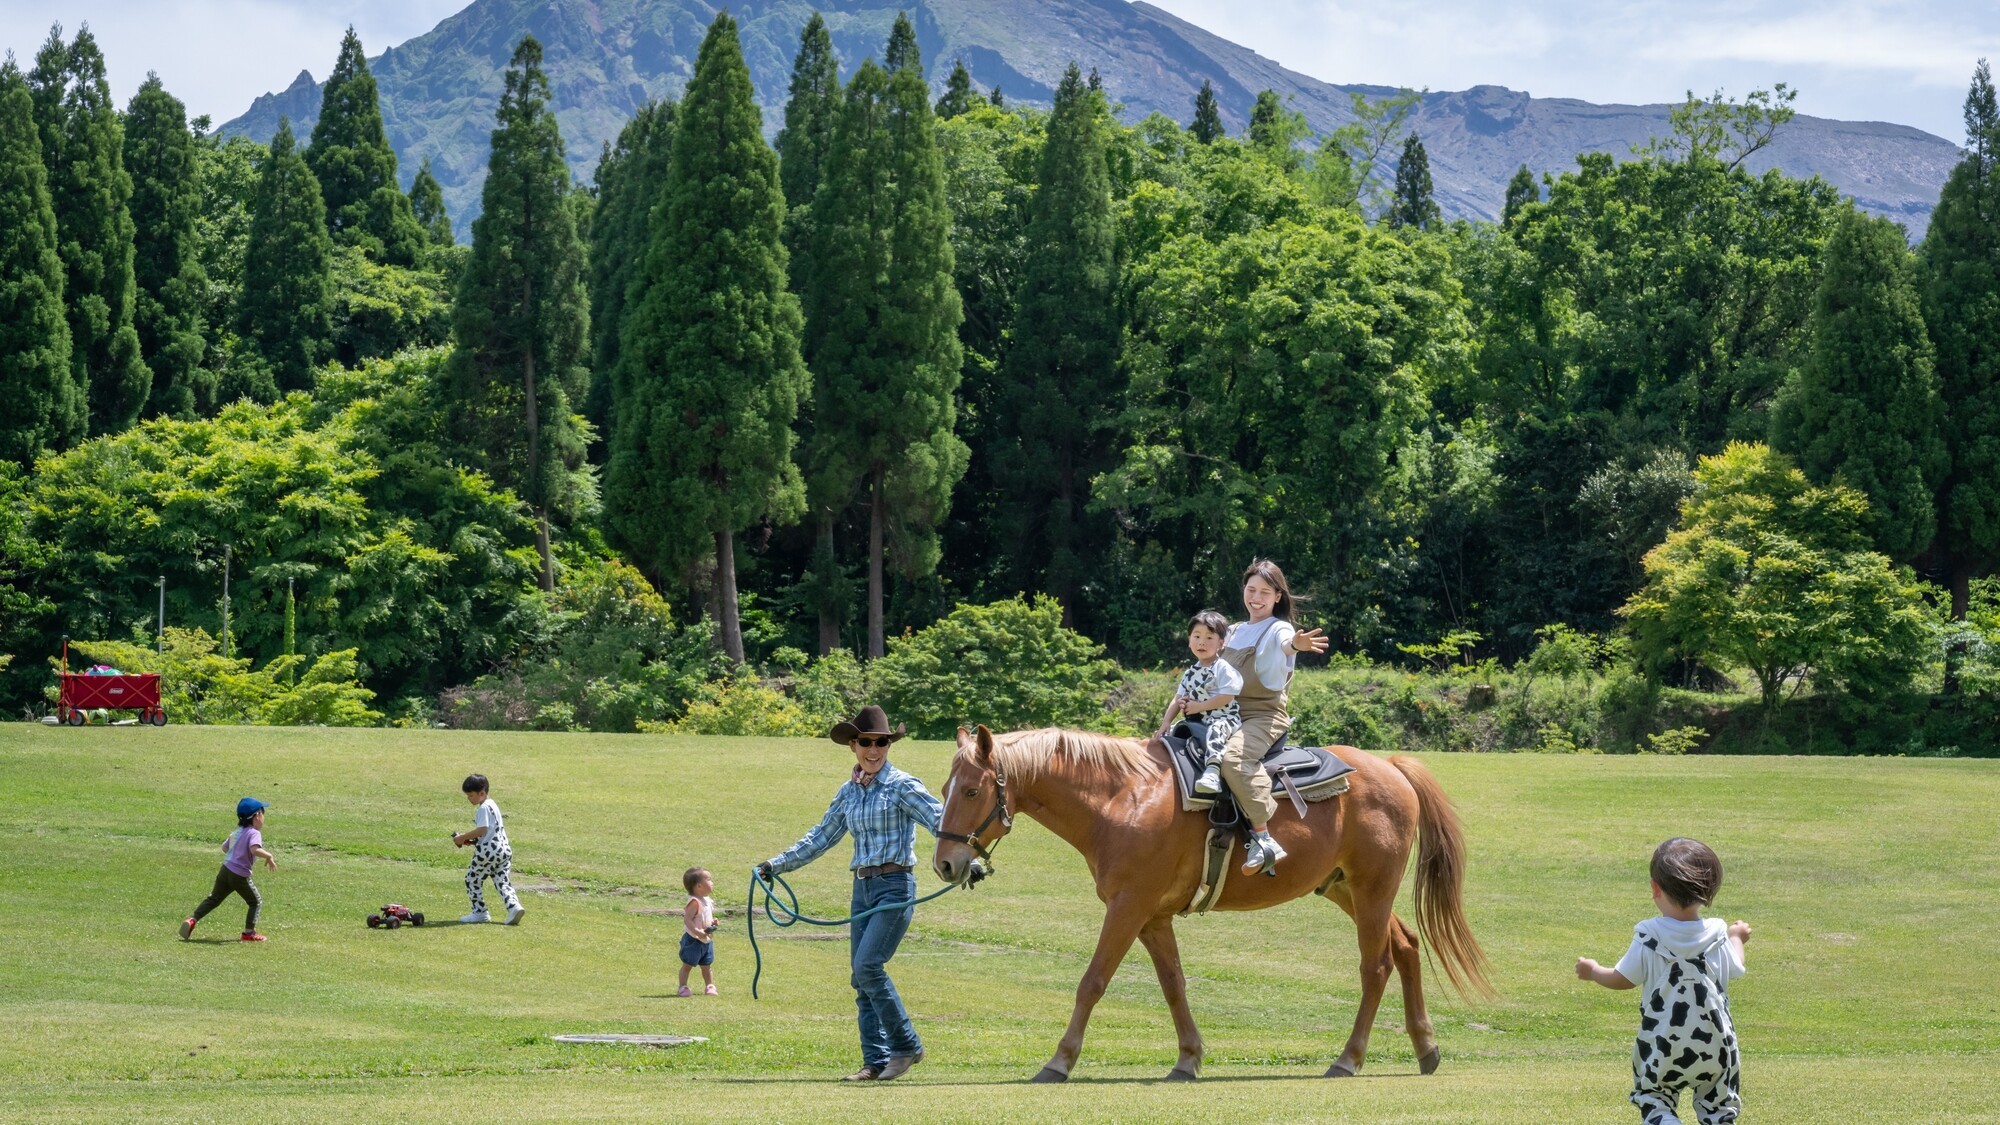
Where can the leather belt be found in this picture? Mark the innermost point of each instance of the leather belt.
(881, 869)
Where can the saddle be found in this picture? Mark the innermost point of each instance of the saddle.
(1304, 774)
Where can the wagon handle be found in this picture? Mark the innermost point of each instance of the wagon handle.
(65, 657)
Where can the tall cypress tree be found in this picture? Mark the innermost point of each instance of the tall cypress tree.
(809, 114)
(1864, 408)
(630, 177)
(1265, 117)
(998, 99)
(45, 406)
(1059, 378)
(1521, 191)
(1207, 123)
(83, 147)
(710, 377)
(901, 50)
(286, 306)
(1413, 204)
(521, 319)
(427, 207)
(171, 285)
(958, 96)
(1961, 293)
(883, 316)
(356, 168)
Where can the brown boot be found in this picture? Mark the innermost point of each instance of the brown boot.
(899, 1065)
(865, 1074)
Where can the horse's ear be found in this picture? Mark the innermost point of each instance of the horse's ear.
(985, 739)
(964, 737)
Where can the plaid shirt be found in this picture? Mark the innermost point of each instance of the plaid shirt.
(883, 816)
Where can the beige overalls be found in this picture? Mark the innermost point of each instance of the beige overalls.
(1266, 717)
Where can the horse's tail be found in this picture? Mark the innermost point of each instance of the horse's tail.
(1440, 884)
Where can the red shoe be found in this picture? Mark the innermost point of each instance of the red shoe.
(187, 927)
(253, 937)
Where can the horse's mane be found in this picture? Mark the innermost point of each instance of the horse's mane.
(1025, 753)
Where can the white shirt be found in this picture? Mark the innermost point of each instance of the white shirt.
(1272, 639)
(1707, 938)
(487, 815)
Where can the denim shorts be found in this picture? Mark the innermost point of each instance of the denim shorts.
(696, 953)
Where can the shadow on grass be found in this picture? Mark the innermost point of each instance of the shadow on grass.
(1103, 1081)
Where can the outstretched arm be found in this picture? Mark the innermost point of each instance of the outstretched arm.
(1587, 969)
(814, 843)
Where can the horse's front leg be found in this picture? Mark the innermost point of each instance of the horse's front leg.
(1158, 935)
(1123, 918)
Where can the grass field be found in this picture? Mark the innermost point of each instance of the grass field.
(1874, 885)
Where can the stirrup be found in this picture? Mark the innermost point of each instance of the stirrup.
(1264, 857)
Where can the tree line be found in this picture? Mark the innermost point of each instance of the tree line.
(918, 352)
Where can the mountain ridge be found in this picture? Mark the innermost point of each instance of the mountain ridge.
(605, 58)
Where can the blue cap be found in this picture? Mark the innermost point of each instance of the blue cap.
(248, 806)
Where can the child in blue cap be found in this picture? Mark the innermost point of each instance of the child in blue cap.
(240, 854)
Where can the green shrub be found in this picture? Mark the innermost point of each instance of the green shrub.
(1680, 740)
(1009, 665)
(743, 706)
(200, 685)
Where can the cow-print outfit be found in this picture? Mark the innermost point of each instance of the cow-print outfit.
(1686, 1040)
(492, 858)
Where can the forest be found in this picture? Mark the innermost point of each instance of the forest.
(966, 406)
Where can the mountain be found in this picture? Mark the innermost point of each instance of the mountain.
(605, 58)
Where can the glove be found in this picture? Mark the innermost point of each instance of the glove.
(977, 873)
(764, 872)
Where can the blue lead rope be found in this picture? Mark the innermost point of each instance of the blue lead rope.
(789, 907)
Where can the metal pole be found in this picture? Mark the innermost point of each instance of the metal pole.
(160, 631)
(225, 602)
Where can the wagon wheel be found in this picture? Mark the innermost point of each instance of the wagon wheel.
(76, 717)
(159, 716)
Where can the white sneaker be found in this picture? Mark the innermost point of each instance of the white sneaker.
(514, 914)
(1264, 855)
(1209, 784)
(477, 916)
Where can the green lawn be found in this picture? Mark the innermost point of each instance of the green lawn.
(1874, 886)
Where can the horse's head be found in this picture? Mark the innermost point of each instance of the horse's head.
(978, 810)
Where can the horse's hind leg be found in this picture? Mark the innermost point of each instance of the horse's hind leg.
(1158, 935)
(1372, 910)
(1416, 1018)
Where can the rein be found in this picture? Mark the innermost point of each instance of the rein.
(999, 812)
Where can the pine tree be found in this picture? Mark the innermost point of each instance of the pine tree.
(1265, 117)
(285, 308)
(710, 379)
(1207, 124)
(883, 315)
(809, 114)
(1521, 191)
(45, 405)
(1059, 378)
(630, 178)
(356, 168)
(998, 99)
(427, 207)
(171, 285)
(958, 93)
(1413, 204)
(1864, 409)
(83, 147)
(1961, 292)
(521, 319)
(901, 50)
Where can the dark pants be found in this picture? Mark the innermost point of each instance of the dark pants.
(885, 1026)
(226, 883)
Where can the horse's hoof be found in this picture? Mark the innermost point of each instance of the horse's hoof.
(1179, 1075)
(1048, 1076)
(1427, 1062)
(1339, 1070)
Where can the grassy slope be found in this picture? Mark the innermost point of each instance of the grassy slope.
(1871, 883)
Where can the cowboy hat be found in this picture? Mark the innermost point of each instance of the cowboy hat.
(868, 720)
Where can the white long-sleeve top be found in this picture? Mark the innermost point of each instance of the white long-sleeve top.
(1272, 638)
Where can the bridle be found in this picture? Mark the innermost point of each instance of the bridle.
(998, 812)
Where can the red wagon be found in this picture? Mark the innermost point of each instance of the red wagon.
(83, 693)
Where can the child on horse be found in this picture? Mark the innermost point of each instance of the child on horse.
(1208, 689)
(1263, 650)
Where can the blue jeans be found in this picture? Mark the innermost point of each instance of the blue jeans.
(885, 1025)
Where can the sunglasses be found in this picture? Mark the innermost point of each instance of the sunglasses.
(871, 741)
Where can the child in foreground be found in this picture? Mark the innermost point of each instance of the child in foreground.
(240, 853)
(1682, 964)
(698, 929)
(1208, 689)
(492, 858)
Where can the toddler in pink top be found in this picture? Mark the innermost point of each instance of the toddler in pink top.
(698, 929)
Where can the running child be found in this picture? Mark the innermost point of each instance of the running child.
(698, 929)
(1208, 689)
(240, 853)
(492, 858)
(1682, 964)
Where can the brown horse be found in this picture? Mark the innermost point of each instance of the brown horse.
(1115, 800)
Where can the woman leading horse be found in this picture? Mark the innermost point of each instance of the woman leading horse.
(1115, 801)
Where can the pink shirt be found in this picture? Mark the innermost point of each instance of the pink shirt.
(236, 853)
(699, 916)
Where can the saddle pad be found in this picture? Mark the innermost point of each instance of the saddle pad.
(1306, 774)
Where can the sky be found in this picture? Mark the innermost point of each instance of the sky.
(1905, 62)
